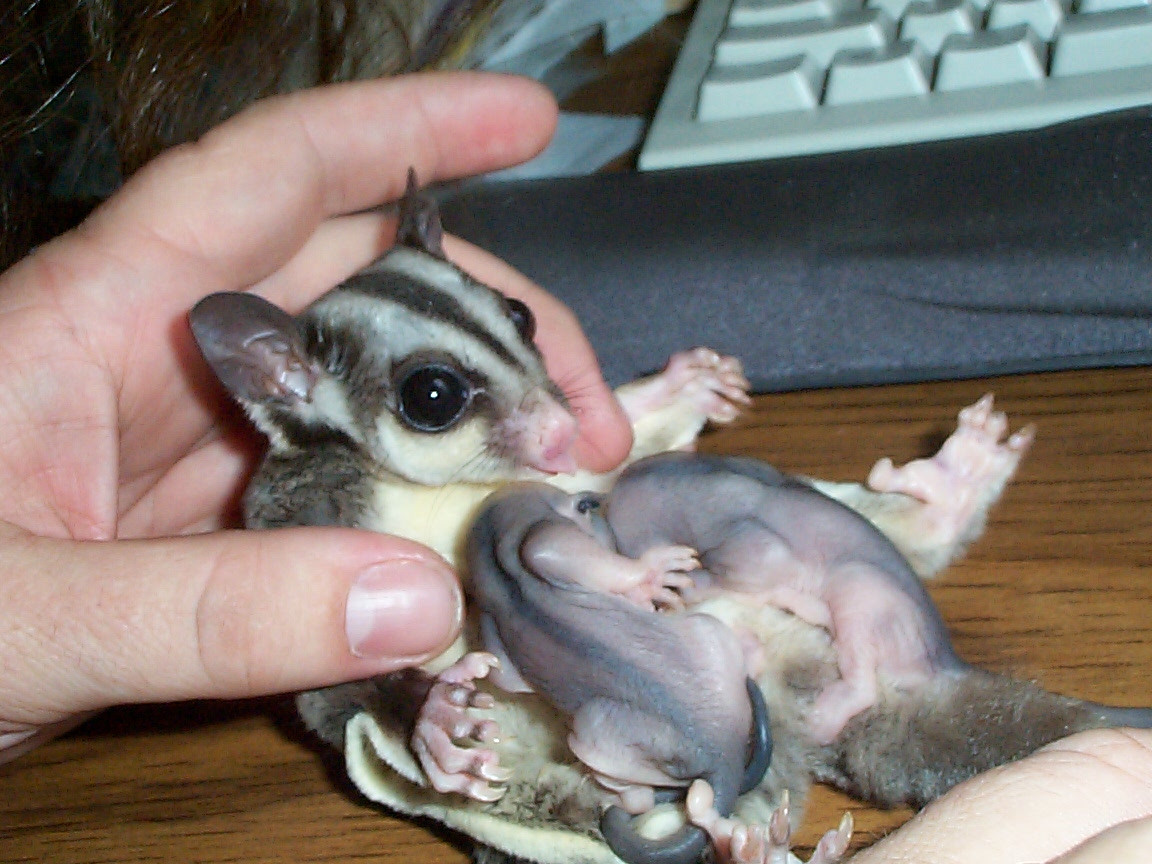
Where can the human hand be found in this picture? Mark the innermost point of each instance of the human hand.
(1086, 799)
(116, 583)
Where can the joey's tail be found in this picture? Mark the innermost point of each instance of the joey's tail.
(913, 746)
(686, 844)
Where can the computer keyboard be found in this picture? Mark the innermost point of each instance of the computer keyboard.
(757, 79)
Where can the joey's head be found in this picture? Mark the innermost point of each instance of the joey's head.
(515, 506)
(586, 510)
(430, 373)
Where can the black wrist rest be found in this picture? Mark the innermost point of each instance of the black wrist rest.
(1013, 253)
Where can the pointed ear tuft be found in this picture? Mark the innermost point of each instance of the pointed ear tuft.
(420, 226)
(254, 347)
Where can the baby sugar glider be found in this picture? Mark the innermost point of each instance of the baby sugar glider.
(902, 718)
(653, 700)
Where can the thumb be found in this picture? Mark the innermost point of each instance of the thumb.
(87, 625)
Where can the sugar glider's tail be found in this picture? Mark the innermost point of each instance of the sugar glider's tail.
(685, 845)
(915, 745)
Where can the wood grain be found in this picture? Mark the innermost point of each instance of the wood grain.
(1060, 590)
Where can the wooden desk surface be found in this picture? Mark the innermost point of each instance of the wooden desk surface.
(1060, 589)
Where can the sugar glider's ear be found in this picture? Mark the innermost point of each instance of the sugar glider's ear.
(254, 347)
(420, 226)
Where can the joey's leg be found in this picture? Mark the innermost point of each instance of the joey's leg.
(739, 843)
(669, 409)
(560, 551)
(855, 691)
(449, 737)
(634, 798)
(876, 631)
(932, 509)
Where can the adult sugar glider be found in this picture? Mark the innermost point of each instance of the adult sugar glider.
(653, 700)
(397, 402)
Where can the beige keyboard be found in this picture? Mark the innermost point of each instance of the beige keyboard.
(758, 79)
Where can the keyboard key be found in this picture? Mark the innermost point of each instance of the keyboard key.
(894, 9)
(1086, 7)
(870, 28)
(1043, 16)
(996, 79)
(750, 13)
(778, 86)
(1104, 41)
(989, 58)
(901, 70)
(930, 22)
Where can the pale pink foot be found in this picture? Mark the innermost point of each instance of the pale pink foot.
(838, 703)
(448, 735)
(634, 798)
(713, 385)
(665, 574)
(964, 479)
(740, 843)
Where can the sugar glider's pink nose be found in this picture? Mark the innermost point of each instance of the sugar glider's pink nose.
(545, 432)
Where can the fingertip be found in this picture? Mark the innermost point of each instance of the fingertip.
(402, 612)
(250, 613)
(605, 431)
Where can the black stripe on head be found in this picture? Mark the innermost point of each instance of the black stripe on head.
(307, 436)
(436, 304)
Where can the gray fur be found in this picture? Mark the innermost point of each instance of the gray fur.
(645, 681)
(915, 742)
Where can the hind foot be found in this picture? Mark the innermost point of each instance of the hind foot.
(739, 843)
(958, 485)
(448, 736)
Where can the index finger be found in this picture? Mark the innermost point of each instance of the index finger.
(226, 211)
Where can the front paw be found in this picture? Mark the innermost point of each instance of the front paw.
(737, 842)
(699, 382)
(665, 575)
(714, 384)
(448, 737)
(711, 384)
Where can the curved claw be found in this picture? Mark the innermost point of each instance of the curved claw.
(833, 845)
(447, 731)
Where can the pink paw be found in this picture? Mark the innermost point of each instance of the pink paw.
(714, 384)
(739, 843)
(447, 733)
(666, 570)
(703, 383)
(759, 844)
(962, 481)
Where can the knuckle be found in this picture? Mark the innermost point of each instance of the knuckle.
(239, 650)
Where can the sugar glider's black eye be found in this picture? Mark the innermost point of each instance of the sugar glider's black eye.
(523, 318)
(587, 505)
(433, 397)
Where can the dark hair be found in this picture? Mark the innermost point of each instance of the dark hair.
(90, 90)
